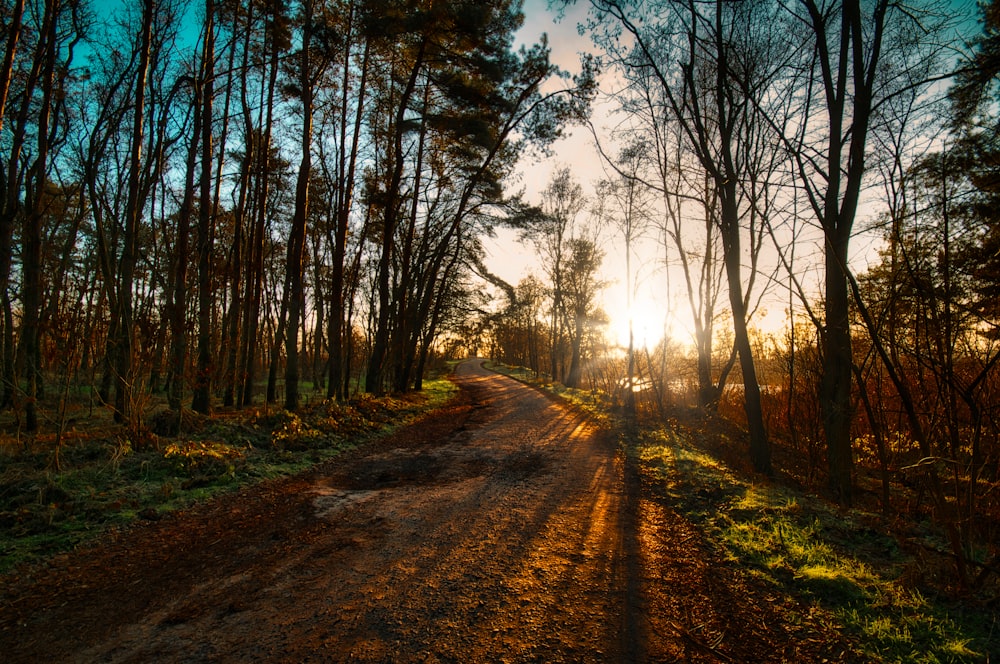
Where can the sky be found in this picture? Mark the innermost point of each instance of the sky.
(510, 260)
(658, 305)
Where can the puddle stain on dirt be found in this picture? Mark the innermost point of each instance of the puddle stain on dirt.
(330, 502)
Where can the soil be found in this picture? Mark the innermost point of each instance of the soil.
(502, 528)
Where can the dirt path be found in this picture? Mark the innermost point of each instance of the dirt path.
(495, 534)
(503, 529)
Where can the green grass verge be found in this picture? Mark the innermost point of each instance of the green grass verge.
(828, 559)
(102, 482)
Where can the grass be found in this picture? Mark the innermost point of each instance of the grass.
(103, 482)
(830, 560)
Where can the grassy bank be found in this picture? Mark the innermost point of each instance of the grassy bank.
(837, 562)
(54, 498)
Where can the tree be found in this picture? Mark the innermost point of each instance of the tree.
(177, 304)
(172, 233)
(977, 151)
(686, 192)
(562, 201)
(415, 45)
(625, 204)
(464, 107)
(921, 304)
(35, 183)
(978, 75)
(40, 82)
(7, 198)
(517, 329)
(120, 191)
(859, 57)
(726, 60)
(344, 179)
(919, 307)
(581, 290)
(297, 237)
(265, 181)
(14, 25)
(201, 399)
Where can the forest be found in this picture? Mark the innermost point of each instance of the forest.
(217, 205)
(201, 198)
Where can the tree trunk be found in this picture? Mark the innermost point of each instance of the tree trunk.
(835, 387)
(201, 399)
(297, 238)
(575, 364)
(760, 446)
(255, 276)
(178, 302)
(123, 349)
(336, 386)
(232, 333)
(271, 393)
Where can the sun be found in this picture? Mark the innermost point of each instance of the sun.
(648, 323)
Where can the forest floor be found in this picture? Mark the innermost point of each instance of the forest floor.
(504, 527)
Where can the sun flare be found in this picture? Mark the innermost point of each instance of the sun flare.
(648, 322)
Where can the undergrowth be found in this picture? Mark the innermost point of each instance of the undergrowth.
(104, 481)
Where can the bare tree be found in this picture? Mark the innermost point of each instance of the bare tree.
(562, 201)
(686, 191)
(724, 57)
(624, 202)
(858, 57)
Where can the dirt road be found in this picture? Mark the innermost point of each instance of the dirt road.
(502, 529)
(494, 535)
